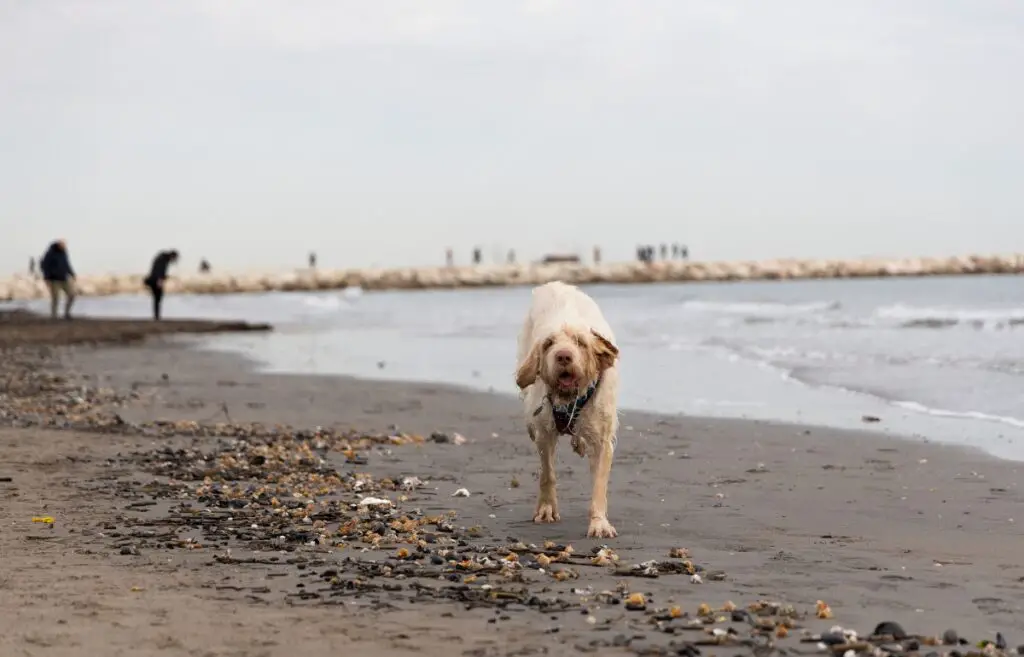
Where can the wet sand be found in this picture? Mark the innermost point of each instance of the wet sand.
(23, 328)
(920, 534)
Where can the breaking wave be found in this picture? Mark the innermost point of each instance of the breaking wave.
(915, 317)
(766, 309)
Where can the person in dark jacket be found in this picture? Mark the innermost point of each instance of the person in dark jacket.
(158, 278)
(55, 267)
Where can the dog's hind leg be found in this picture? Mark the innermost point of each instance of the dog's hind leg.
(601, 454)
(547, 501)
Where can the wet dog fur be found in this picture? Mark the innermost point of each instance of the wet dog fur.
(565, 345)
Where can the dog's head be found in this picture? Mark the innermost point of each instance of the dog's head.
(567, 360)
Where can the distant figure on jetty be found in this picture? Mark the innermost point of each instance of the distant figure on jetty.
(597, 255)
(511, 256)
(204, 266)
(645, 254)
(664, 252)
(476, 256)
(157, 278)
(684, 252)
(59, 276)
(312, 259)
(32, 267)
(675, 250)
(449, 258)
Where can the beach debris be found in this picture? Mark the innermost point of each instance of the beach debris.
(870, 418)
(636, 602)
(462, 492)
(374, 501)
(410, 483)
(46, 520)
(307, 508)
(458, 439)
(604, 556)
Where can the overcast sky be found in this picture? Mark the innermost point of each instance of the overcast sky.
(382, 131)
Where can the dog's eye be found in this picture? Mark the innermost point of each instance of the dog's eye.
(548, 343)
(580, 341)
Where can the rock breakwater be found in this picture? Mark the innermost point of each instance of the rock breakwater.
(411, 278)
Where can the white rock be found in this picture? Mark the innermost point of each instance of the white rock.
(374, 501)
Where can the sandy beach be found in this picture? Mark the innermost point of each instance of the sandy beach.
(164, 528)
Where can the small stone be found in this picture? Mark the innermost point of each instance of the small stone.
(949, 637)
(833, 638)
(636, 602)
(889, 628)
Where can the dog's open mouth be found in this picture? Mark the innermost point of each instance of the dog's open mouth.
(566, 381)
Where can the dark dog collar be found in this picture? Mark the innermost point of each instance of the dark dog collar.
(565, 415)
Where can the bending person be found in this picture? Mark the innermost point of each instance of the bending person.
(59, 276)
(157, 278)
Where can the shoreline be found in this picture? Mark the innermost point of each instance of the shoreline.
(20, 288)
(861, 410)
(21, 328)
(166, 459)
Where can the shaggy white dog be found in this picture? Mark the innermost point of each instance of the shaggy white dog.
(569, 383)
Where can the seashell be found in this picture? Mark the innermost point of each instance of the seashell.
(636, 602)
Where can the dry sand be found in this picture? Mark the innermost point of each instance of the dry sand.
(917, 533)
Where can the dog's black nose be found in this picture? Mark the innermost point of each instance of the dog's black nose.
(563, 357)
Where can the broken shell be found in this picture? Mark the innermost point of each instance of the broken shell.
(636, 602)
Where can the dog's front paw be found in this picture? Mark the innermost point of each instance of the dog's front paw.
(601, 528)
(546, 512)
(578, 445)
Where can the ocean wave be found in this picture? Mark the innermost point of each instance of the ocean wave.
(766, 309)
(943, 318)
(962, 415)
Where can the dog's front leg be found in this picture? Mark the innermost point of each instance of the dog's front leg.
(600, 470)
(547, 502)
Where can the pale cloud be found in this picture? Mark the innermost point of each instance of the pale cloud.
(388, 130)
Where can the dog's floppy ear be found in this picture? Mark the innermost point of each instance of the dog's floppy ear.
(605, 351)
(529, 368)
